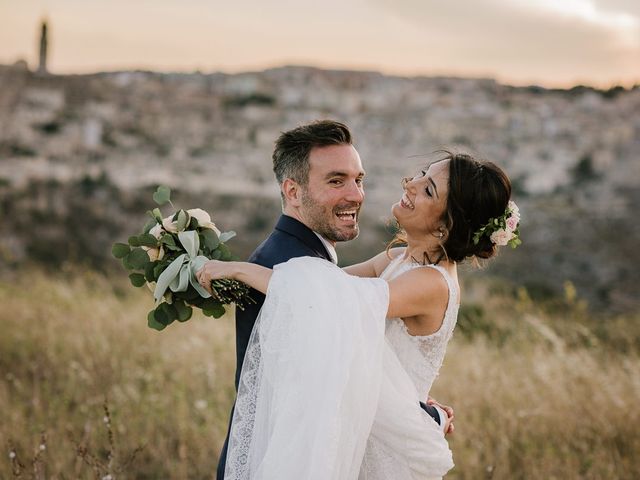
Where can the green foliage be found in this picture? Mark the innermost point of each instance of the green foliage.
(199, 241)
(226, 236)
(584, 171)
(137, 279)
(256, 98)
(165, 314)
(133, 241)
(209, 239)
(147, 240)
(157, 215)
(182, 220)
(162, 195)
(214, 309)
(149, 273)
(612, 92)
(20, 150)
(152, 222)
(49, 128)
(120, 250)
(225, 253)
(138, 259)
(473, 322)
(153, 323)
(184, 311)
(169, 241)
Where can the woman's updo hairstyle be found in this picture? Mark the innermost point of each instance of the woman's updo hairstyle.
(478, 191)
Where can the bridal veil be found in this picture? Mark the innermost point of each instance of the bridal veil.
(319, 379)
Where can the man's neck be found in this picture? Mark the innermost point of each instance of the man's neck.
(293, 213)
(329, 245)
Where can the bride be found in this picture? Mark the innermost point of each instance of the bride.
(365, 343)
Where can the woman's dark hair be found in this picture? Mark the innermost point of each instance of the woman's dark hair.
(478, 191)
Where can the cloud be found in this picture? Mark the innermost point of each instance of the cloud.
(631, 7)
(526, 40)
(518, 41)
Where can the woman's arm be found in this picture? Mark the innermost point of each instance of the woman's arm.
(420, 291)
(374, 266)
(256, 276)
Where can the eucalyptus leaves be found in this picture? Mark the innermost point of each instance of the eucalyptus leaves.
(165, 257)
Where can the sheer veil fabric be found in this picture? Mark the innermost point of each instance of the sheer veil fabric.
(319, 377)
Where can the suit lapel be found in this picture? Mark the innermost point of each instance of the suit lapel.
(303, 233)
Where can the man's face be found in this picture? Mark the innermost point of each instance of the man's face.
(332, 199)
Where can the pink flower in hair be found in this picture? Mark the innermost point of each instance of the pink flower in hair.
(512, 223)
(501, 237)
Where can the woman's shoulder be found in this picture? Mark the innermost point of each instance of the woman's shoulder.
(396, 252)
(427, 279)
(383, 259)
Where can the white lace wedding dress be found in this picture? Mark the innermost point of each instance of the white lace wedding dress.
(319, 377)
(421, 357)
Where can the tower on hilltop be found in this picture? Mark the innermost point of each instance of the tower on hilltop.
(42, 66)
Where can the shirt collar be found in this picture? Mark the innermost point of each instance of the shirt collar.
(330, 248)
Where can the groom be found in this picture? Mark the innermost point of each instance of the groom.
(320, 176)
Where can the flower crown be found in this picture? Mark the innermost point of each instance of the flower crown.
(502, 230)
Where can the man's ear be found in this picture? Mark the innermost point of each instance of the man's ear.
(292, 192)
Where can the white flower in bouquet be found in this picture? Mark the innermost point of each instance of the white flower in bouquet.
(155, 253)
(203, 218)
(157, 231)
(169, 224)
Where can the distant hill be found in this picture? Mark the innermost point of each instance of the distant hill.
(79, 155)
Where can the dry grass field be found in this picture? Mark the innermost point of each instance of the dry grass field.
(537, 395)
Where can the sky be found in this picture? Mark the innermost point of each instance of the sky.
(555, 43)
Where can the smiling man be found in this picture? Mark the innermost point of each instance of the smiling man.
(321, 184)
(329, 199)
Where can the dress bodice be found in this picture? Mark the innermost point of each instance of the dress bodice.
(421, 356)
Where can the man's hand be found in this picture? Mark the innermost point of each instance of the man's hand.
(449, 428)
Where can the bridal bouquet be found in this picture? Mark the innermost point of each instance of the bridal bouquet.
(166, 256)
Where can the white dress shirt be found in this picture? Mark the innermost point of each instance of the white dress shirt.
(330, 248)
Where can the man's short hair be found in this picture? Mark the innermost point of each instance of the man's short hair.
(291, 153)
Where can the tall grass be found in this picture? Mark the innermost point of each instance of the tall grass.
(539, 393)
(72, 342)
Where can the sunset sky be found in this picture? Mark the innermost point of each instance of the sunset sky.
(548, 42)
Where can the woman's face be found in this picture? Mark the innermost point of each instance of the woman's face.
(424, 201)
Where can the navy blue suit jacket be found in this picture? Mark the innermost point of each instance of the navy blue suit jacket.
(290, 239)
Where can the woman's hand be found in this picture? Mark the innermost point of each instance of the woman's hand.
(253, 275)
(215, 270)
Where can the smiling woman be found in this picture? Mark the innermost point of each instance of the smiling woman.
(451, 201)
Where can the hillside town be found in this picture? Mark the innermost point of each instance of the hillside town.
(573, 156)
